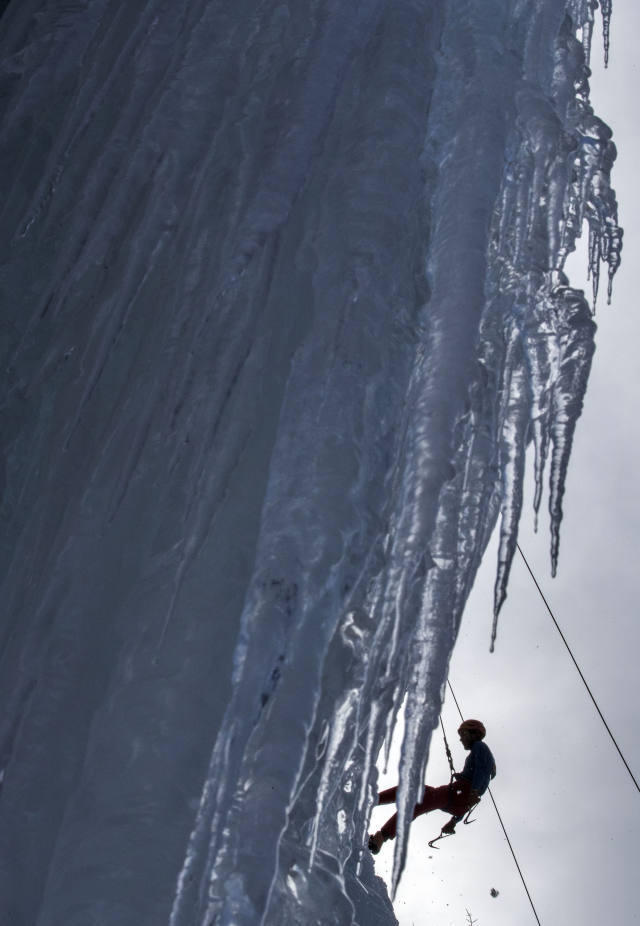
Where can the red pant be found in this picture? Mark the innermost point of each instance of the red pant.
(455, 799)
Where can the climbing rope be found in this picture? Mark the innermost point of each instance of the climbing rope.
(447, 750)
(595, 704)
(584, 681)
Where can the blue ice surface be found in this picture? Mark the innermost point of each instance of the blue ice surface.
(283, 305)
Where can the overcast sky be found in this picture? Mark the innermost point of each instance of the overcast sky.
(570, 808)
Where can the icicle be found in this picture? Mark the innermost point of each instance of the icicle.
(594, 197)
(341, 740)
(390, 723)
(605, 9)
(576, 331)
(541, 445)
(582, 15)
(587, 34)
(594, 263)
(369, 757)
(613, 237)
(430, 654)
(348, 657)
(512, 453)
(540, 355)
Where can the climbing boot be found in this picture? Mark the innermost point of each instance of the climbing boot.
(375, 842)
(450, 827)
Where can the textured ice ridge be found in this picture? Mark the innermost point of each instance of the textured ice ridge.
(283, 305)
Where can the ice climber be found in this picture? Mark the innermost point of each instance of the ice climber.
(458, 797)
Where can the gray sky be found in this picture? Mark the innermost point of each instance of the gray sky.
(570, 808)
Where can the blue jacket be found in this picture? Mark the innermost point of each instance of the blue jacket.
(480, 767)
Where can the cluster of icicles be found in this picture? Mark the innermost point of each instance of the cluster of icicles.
(551, 196)
(534, 354)
(559, 177)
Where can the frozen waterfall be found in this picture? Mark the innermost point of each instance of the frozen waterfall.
(283, 304)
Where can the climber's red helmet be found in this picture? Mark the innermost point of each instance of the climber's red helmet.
(475, 727)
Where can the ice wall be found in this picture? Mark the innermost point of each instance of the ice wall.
(282, 305)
